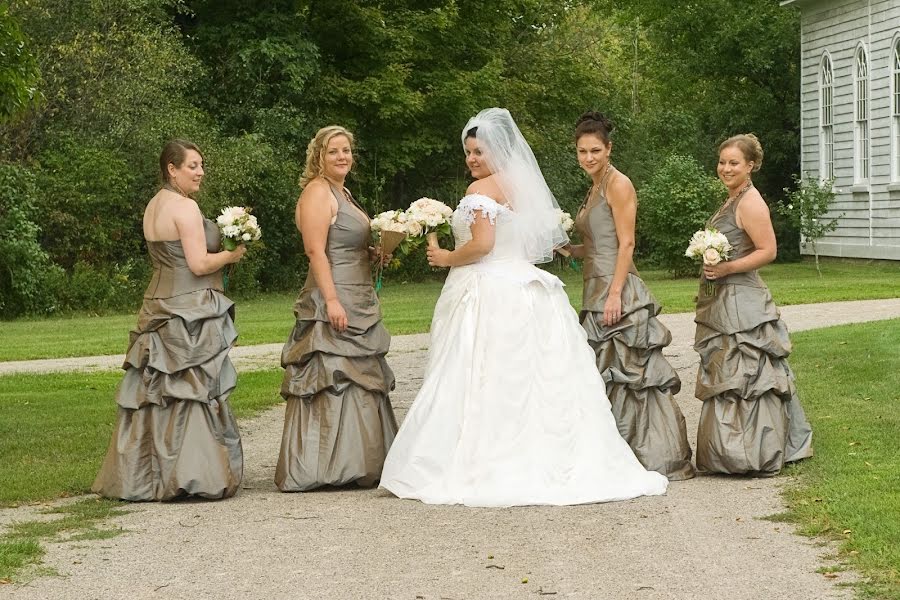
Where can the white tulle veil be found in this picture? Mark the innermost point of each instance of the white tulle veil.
(520, 178)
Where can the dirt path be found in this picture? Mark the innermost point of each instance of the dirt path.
(703, 540)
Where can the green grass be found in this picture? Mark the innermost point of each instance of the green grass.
(21, 545)
(407, 308)
(849, 382)
(54, 428)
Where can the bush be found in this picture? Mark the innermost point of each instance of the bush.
(98, 289)
(246, 171)
(90, 211)
(674, 203)
(28, 280)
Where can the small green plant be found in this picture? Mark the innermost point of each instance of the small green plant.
(806, 206)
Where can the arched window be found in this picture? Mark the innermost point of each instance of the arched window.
(895, 109)
(826, 119)
(861, 116)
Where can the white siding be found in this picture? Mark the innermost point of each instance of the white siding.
(870, 223)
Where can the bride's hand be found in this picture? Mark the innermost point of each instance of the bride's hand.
(438, 257)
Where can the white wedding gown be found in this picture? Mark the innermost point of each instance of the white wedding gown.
(512, 410)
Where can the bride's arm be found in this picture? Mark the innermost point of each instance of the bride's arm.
(481, 244)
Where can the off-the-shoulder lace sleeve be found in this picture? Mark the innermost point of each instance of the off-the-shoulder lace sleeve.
(478, 202)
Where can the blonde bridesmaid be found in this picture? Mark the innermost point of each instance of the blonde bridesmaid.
(339, 424)
(751, 421)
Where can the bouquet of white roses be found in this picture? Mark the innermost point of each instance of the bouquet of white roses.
(237, 226)
(566, 222)
(429, 217)
(710, 246)
(390, 228)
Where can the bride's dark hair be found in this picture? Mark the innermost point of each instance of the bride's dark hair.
(472, 133)
(594, 123)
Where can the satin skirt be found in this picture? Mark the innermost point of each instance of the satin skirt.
(752, 421)
(175, 434)
(512, 410)
(640, 382)
(339, 423)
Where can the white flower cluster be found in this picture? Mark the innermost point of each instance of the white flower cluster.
(391, 220)
(238, 225)
(429, 214)
(422, 216)
(710, 246)
(565, 220)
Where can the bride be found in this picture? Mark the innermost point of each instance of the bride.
(512, 410)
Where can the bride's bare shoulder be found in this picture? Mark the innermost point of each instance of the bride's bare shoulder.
(487, 187)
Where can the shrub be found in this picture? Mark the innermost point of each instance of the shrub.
(246, 171)
(674, 203)
(805, 208)
(28, 280)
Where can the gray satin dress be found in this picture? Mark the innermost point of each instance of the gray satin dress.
(175, 434)
(751, 422)
(338, 424)
(640, 382)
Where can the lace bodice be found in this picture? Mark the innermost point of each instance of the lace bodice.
(507, 244)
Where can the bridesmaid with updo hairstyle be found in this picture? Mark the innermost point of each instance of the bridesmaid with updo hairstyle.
(338, 423)
(175, 434)
(619, 312)
(751, 422)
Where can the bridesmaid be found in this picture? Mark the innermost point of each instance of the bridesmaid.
(619, 312)
(752, 421)
(339, 424)
(175, 434)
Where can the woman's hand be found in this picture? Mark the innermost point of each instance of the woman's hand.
(336, 315)
(236, 254)
(612, 310)
(438, 257)
(713, 272)
(375, 256)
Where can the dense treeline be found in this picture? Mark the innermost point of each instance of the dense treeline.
(97, 87)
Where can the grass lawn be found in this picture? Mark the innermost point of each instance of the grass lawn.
(54, 428)
(849, 381)
(407, 308)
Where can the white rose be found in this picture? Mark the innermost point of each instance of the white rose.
(712, 257)
(415, 228)
(246, 237)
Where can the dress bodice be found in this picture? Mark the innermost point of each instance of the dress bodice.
(597, 228)
(348, 242)
(507, 245)
(726, 222)
(171, 274)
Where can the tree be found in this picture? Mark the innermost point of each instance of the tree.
(18, 73)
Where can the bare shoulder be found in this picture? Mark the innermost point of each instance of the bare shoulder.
(753, 211)
(316, 190)
(487, 187)
(753, 204)
(619, 186)
(317, 197)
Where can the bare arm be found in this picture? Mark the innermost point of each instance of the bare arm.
(480, 245)
(753, 217)
(622, 202)
(189, 223)
(315, 209)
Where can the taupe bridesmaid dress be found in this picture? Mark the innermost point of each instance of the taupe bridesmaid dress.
(175, 434)
(640, 382)
(751, 421)
(338, 424)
